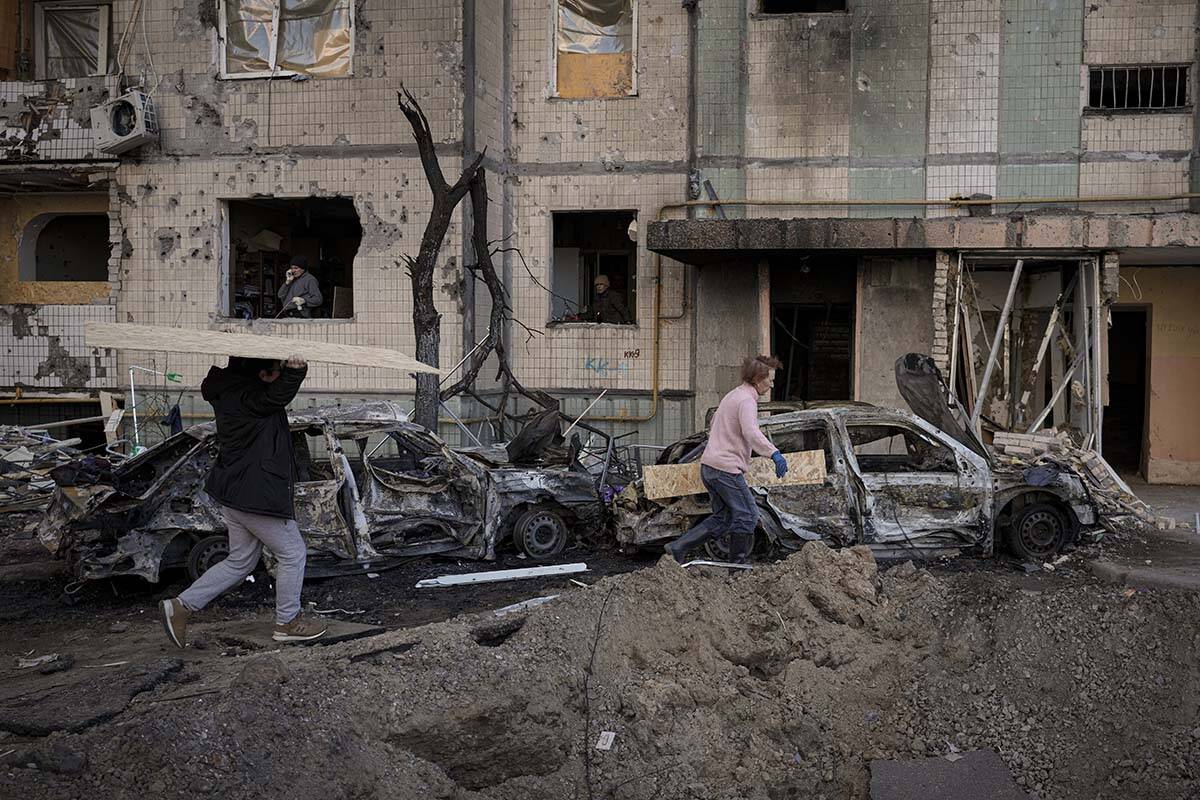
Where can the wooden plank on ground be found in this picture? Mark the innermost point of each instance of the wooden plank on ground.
(677, 480)
(156, 338)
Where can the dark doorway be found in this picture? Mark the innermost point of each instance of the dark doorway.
(812, 326)
(1125, 417)
(813, 342)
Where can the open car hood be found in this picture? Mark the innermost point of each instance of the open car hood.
(922, 387)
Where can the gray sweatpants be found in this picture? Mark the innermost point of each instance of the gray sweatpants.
(247, 535)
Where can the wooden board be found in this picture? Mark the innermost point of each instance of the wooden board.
(122, 336)
(678, 480)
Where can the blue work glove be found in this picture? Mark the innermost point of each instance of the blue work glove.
(780, 464)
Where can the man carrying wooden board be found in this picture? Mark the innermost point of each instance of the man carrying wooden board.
(253, 480)
(733, 437)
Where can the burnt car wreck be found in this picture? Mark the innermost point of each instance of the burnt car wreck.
(369, 487)
(905, 485)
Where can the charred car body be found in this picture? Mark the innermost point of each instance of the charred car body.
(369, 486)
(905, 485)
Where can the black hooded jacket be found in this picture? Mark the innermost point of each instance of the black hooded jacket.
(255, 468)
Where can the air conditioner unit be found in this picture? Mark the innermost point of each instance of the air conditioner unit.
(124, 123)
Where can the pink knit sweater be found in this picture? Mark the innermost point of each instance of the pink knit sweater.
(734, 433)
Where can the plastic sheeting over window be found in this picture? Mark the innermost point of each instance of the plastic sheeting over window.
(595, 26)
(314, 37)
(595, 49)
(72, 42)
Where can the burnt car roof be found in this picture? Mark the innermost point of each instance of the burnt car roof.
(369, 414)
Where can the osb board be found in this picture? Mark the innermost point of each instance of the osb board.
(584, 76)
(679, 480)
(156, 338)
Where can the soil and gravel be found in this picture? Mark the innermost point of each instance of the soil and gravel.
(784, 682)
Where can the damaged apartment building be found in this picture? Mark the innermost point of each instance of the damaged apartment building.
(1007, 185)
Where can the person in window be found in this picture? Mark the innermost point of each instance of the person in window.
(732, 438)
(609, 305)
(300, 293)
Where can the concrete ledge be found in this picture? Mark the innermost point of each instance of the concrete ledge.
(699, 241)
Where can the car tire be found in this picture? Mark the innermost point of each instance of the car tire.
(540, 533)
(206, 553)
(1038, 532)
(718, 549)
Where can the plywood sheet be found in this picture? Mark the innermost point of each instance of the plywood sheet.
(121, 336)
(678, 480)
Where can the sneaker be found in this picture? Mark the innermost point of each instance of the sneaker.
(299, 630)
(175, 619)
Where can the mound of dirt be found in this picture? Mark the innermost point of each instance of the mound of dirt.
(785, 682)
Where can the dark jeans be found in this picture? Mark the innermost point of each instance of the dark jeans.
(734, 509)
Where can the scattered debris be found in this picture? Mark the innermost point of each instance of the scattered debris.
(27, 456)
(605, 742)
(499, 575)
(725, 564)
(524, 605)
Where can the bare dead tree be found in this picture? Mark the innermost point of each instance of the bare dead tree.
(426, 319)
(427, 322)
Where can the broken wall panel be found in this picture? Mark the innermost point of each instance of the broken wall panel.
(43, 121)
(42, 347)
(179, 256)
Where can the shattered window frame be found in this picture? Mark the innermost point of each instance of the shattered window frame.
(555, 17)
(104, 10)
(274, 29)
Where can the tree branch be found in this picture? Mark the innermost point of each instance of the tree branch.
(424, 136)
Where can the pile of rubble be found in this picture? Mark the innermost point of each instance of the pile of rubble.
(1114, 498)
(26, 458)
(797, 679)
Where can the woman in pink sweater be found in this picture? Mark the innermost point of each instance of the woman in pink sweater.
(732, 438)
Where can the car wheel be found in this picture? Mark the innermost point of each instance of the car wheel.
(1037, 532)
(206, 553)
(540, 533)
(718, 549)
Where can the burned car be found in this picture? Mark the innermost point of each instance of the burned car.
(370, 486)
(905, 485)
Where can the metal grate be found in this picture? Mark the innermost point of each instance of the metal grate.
(1141, 88)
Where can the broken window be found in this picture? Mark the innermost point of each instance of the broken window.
(266, 234)
(64, 247)
(593, 250)
(1138, 88)
(287, 37)
(798, 441)
(71, 39)
(801, 6)
(890, 448)
(595, 49)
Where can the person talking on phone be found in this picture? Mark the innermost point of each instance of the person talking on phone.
(300, 293)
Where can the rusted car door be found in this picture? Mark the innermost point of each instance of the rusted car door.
(416, 495)
(321, 480)
(830, 510)
(925, 490)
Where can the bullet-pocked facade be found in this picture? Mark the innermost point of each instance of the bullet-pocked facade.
(826, 147)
